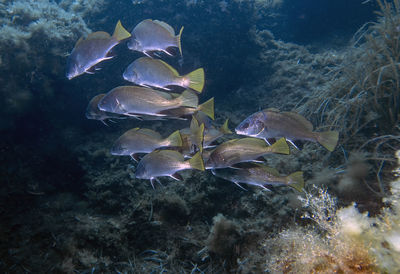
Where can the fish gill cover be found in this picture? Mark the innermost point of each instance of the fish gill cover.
(68, 205)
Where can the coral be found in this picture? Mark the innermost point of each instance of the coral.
(330, 245)
(224, 237)
(340, 240)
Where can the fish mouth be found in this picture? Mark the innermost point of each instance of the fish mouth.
(240, 132)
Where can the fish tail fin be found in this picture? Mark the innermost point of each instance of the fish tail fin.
(208, 108)
(296, 181)
(224, 128)
(196, 162)
(196, 79)
(189, 99)
(175, 139)
(120, 33)
(280, 147)
(178, 40)
(197, 132)
(328, 139)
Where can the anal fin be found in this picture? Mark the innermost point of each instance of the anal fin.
(177, 177)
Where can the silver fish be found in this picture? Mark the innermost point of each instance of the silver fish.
(150, 72)
(138, 101)
(271, 123)
(243, 150)
(166, 163)
(142, 140)
(154, 35)
(92, 50)
(260, 175)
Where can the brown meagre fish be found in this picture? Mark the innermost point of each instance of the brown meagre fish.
(271, 123)
(137, 101)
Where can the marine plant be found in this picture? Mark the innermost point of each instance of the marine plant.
(365, 90)
(339, 239)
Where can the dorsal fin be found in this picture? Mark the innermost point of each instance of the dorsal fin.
(272, 110)
(252, 141)
(307, 124)
(150, 132)
(271, 170)
(165, 26)
(170, 68)
(79, 41)
(98, 35)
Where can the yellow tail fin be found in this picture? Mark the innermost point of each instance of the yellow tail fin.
(175, 139)
(196, 162)
(120, 33)
(225, 129)
(296, 181)
(197, 133)
(178, 40)
(208, 108)
(328, 139)
(189, 99)
(196, 79)
(280, 147)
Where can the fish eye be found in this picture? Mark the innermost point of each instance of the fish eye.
(246, 125)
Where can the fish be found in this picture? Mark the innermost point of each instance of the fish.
(143, 140)
(212, 134)
(196, 136)
(92, 50)
(271, 123)
(94, 113)
(137, 101)
(207, 108)
(260, 175)
(243, 150)
(154, 35)
(149, 72)
(161, 163)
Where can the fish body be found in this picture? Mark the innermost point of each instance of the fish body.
(92, 50)
(271, 123)
(142, 140)
(212, 134)
(161, 163)
(260, 175)
(149, 72)
(154, 35)
(206, 109)
(137, 101)
(243, 150)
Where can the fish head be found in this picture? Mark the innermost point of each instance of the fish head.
(119, 148)
(73, 70)
(134, 44)
(130, 75)
(74, 66)
(252, 125)
(141, 171)
(92, 115)
(110, 103)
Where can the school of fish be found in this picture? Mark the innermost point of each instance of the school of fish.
(153, 94)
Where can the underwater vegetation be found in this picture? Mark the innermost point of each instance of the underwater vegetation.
(339, 239)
